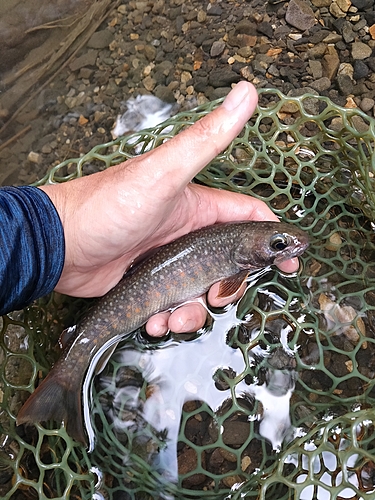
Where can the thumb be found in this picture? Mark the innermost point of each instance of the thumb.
(177, 161)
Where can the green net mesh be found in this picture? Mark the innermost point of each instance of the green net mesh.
(279, 400)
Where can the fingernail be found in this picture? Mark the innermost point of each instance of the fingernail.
(236, 96)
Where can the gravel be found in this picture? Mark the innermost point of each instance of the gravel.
(189, 52)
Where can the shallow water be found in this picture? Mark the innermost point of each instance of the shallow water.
(143, 398)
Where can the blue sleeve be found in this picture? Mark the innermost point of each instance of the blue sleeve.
(32, 246)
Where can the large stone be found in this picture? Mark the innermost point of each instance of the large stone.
(367, 104)
(361, 50)
(316, 69)
(361, 70)
(344, 4)
(100, 39)
(336, 11)
(217, 48)
(321, 84)
(331, 63)
(266, 29)
(346, 69)
(86, 59)
(235, 432)
(300, 15)
(246, 27)
(347, 32)
(345, 84)
(223, 76)
(149, 83)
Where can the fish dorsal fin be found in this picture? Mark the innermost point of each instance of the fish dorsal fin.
(229, 286)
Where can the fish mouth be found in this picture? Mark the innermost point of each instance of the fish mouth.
(298, 249)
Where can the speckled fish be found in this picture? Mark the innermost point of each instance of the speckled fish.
(175, 273)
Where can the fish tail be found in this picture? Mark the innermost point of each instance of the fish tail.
(55, 400)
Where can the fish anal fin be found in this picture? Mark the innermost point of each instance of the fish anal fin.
(52, 400)
(230, 286)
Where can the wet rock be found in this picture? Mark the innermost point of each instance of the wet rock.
(318, 36)
(201, 16)
(100, 39)
(223, 77)
(216, 459)
(332, 38)
(300, 15)
(228, 455)
(370, 62)
(214, 10)
(344, 5)
(361, 50)
(360, 25)
(150, 52)
(330, 63)
(85, 73)
(188, 462)
(367, 104)
(316, 69)
(273, 70)
(86, 59)
(361, 70)
(345, 84)
(346, 69)
(149, 83)
(217, 48)
(246, 27)
(317, 51)
(164, 93)
(34, 157)
(336, 11)
(347, 32)
(370, 17)
(259, 67)
(265, 29)
(236, 432)
(321, 84)
(281, 360)
(200, 83)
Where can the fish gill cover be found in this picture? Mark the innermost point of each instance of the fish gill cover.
(279, 402)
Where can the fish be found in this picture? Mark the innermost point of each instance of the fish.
(177, 272)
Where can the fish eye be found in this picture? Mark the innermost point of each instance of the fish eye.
(278, 242)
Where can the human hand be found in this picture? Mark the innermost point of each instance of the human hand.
(112, 217)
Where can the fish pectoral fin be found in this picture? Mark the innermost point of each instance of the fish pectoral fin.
(230, 286)
(67, 336)
(104, 358)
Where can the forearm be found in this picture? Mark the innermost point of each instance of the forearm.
(32, 246)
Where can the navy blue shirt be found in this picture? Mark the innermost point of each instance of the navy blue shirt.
(32, 246)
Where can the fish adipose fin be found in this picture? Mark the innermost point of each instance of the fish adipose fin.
(230, 286)
(54, 401)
